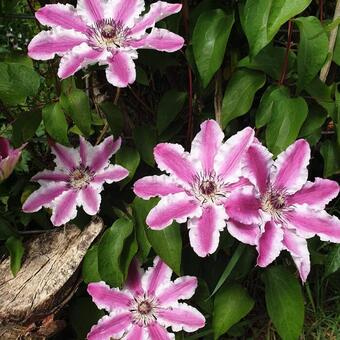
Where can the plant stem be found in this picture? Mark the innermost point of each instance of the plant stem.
(285, 62)
(218, 98)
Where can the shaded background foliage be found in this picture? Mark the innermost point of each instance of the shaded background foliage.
(233, 68)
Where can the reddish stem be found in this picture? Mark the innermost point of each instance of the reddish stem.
(286, 59)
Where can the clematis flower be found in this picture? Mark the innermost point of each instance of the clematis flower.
(283, 209)
(105, 31)
(77, 180)
(146, 306)
(8, 158)
(198, 185)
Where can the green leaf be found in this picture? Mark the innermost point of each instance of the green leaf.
(90, 270)
(330, 152)
(114, 117)
(76, 105)
(312, 51)
(284, 302)
(115, 252)
(284, 127)
(16, 251)
(240, 94)
(17, 82)
(145, 139)
(262, 19)
(316, 118)
(55, 122)
(333, 260)
(128, 158)
(5, 229)
(336, 52)
(169, 107)
(209, 40)
(231, 304)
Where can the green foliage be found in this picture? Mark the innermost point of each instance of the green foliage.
(16, 250)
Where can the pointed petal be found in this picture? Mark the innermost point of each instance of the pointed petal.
(309, 222)
(182, 288)
(316, 194)
(291, 165)
(122, 70)
(4, 148)
(108, 298)
(152, 186)
(244, 206)
(231, 154)
(113, 173)
(65, 157)
(64, 16)
(157, 332)
(137, 332)
(84, 149)
(270, 244)
(126, 11)
(110, 326)
(64, 208)
(90, 199)
(173, 159)
(178, 207)
(205, 145)
(204, 232)
(134, 279)
(298, 248)
(47, 44)
(91, 10)
(50, 176)
(245, 233)
(181, 316)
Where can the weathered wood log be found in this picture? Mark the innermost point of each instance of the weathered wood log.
(47, 280)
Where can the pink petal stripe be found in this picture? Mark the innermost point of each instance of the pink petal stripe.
(108, 298)
(91, 10)
(182, 288)
(309, 222)
(291, 167)
(126, 11)
(173, 159)
(84, 148)
(158, 11)
(204, 232)
(205, 145)
(231, 154)
(114, 173)
(297, 246)
(43, 197)
(90, 199)
(64, 208)
(122, 70)
(152, 186)
(316, 194)
(64, 16)
(176, 207)
(50, 176)
(65, 157)
(103, 152)
(110, 326)
(245, 233)
(182, 316)
(136, 332)
(258, 162)
(270, 244)
(159, 39)
(47, 44)
(134, 279)
(244, 206)
(157, 332)
(4, 148)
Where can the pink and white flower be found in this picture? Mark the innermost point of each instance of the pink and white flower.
(198, 185)
(77, 180)
(105, 31)
(283, 209)
(147, 306)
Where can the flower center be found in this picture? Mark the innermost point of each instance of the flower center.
(143, 310)
(107, 34)
(274, 202)
(80, 178)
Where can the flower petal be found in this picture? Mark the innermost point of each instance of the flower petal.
(245, 233)
(64, 16)
(137, 332)
(50, 176)
(47, 44)
(205, 145)
(84, 149)
(4, 148)
(230, 156)
(159, 39)
(316, 194)
(134, 279)
(204, 232)
(157, 332)
(91, 10)
(176, 207)
(270, 244)
(181, 316)
(182, 288)
(152, 186)
(122, 70)
(291, 165)
(309, 222)
(43, 197)
(90, 199)
(126, 11)
(110, 326)
(65, 157)
(298, 248)
(64, 208)
(113, 173)
(244, 206)
(173, 159)
(108, 298)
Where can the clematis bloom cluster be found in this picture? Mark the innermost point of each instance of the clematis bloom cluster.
(77, 180)
(105, 31)
(147, 306)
